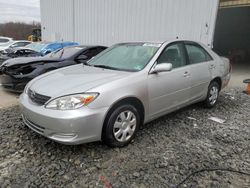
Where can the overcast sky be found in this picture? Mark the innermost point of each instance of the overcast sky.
(19, 10)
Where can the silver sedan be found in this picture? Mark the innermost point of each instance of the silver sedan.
(124, 87)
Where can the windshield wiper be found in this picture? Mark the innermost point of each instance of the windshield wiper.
(106, 67)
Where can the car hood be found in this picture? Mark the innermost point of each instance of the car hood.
(28, 60)
(74, 79)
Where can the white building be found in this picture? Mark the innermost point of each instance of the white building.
(107, 22)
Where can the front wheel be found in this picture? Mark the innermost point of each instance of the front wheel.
(212, 95)
(121, 127)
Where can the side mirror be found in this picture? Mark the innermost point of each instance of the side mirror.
(163, 67)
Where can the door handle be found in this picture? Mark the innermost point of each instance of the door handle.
(212, 66)
(186, 74)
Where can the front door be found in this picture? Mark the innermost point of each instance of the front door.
(169, 90)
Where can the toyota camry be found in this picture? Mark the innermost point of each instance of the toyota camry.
(122, 88)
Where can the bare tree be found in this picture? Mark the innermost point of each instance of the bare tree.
(18, 30)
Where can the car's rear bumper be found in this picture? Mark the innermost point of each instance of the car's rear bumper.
(67, 127)
(225, 80)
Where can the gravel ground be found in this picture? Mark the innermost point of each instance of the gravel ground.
(173, 151)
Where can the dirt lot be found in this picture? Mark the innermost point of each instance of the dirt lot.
(7, 99)
(173, 150)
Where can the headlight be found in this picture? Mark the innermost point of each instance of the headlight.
(71, 102)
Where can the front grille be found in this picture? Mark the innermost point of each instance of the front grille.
(37, 98)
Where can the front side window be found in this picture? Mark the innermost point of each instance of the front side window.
(127, 57)
(197, 54)
(19, 44)
(14, 45)
(173, 54)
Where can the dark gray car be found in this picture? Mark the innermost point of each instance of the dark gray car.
(17, 72)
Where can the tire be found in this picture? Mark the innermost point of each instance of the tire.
(121, 126)
(212, 95)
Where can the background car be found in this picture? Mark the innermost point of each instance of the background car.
(16, 73)
(34, 49)
(44, 48)
(127, 85)
(17, 52)
(13, 44)
(4, 40)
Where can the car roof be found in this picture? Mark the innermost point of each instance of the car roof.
(142, 42)
(170, 40)
(56, 42)
(85, 46)
(21, 41)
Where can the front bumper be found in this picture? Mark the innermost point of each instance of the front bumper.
(13, 84)
(68, 127)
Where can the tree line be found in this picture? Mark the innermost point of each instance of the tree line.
(18, 30)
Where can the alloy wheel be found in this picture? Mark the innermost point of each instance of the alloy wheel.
(213, 95)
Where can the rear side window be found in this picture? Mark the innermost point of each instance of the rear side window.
(197, 54)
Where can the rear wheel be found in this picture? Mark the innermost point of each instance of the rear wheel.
(212, 94)
(121, 127)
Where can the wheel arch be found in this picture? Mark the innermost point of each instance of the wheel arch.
(128, 100)
(218, 80)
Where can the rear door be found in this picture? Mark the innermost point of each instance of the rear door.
(169, 90)
(200, 64)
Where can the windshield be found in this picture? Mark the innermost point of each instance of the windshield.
(65, 52)
(127, 57)
(36, 46)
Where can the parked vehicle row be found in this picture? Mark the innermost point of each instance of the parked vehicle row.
(110, 96)
(9, 46)
(33, 50)
(13, 44)
(17, 72)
